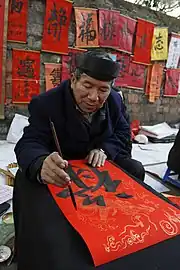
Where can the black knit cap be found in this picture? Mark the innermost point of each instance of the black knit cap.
(98, 65)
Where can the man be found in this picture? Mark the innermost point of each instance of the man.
(89, 120)
(174, 156)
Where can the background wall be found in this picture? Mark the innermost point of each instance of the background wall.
(164, 109)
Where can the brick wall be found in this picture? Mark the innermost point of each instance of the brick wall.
(165, 109)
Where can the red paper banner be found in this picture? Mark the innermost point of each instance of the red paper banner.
(53, 75)
(124, 61)
(155, 82)
(56, 26)
(115, 216)
(144, 36)
(126, 33)
(132, 75)
(3, 48)
(17, 20)
(25, 75)
(86, 27)
(172, 82)
(69, 63)
(148, 80)
(108, 28)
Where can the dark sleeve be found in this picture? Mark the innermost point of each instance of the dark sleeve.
(120, 142)
(34, 146)
(174, 155)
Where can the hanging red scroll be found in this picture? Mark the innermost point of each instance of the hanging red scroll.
(52, 75)
(136, 78)
(126, 33)
(25, 75)
(144, 36)
(86, 27)
(148, 79)
(116, 215)
(155, 81)
(3, 48)
(56, 26)
(69, 63)
(17, 20)
(172, 82)
(108, 28)
(124, 62)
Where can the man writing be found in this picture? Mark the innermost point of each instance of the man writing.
(90, 123)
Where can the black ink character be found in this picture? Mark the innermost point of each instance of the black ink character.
(57, 20)
(16, 6)
(87, 31)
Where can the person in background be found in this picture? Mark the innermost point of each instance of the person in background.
(174, 155)
(89, 119)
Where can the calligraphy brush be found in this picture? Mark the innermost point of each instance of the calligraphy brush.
(60, 153)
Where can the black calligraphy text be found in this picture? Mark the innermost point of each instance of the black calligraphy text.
(57, 20)
(87, 33)
(104, 180)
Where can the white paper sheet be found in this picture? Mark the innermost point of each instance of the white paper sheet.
(158, 131)
(151, 153)
(156, 185)
(6, 193)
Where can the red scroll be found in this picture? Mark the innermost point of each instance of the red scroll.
(172, 82)
(3, 47)
(25, 75)
(132, 75)
(144, 36)
(126, 33)
(56, 26)
(17, 20)
(69, 63)
(124, 62)
(116, 216)
(108, 28)
(86, 27)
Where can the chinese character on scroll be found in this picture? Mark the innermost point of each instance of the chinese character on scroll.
(56, 26)
(17, 20)
(154, 81)
(124, 62)
(126, 33)
(25, 75)
(86, 27)
(53, 75)
(108, 28)
(69, 63)
(172, 82)
(174, 51)
(159, 49)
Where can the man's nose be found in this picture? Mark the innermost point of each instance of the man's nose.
(93, 95)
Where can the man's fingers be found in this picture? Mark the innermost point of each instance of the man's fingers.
(90, 157)
(99, 163)
(104, 157)
(95, 159)
(60, 162)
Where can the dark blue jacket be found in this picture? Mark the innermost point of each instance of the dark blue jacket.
(76, 140)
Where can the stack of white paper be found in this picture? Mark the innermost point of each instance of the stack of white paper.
(158, 131)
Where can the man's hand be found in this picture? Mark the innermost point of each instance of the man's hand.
(52, 171)
(96, 158)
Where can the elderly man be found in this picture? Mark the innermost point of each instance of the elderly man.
(90, 122)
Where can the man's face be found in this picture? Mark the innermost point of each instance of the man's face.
(90, 94)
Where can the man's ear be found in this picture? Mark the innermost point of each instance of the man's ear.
(73, 80)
